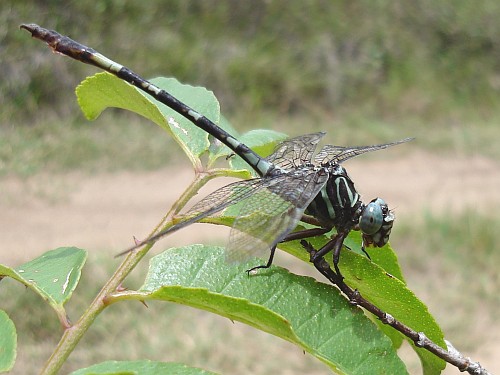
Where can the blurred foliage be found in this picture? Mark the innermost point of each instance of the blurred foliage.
(386, 59)
(467, 239)
(451, 259)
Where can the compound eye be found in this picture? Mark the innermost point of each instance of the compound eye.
(372, 217)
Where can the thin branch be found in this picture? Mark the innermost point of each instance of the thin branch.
(451, 355)
(73, 334)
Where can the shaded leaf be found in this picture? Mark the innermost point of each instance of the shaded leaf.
(54, 275)
(381, 282)
(392, 296)
(143, 367)
(8, 342)
(385, 290)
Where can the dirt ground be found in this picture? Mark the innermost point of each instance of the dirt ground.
(102, 212)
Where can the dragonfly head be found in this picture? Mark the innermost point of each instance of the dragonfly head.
(376, 222)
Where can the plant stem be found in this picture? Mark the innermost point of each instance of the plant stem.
(420, 340)
(73, 334)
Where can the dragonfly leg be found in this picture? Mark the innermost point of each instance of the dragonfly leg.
(336, 245)
(301, 234)
(292, 236)
(363, 249)
(322, 265)
(267, 265)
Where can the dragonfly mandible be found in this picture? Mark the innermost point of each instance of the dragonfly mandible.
(294, 183)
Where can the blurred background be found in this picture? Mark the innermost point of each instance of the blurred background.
(365, 72)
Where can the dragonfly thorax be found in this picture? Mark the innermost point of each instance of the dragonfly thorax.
(338, 204)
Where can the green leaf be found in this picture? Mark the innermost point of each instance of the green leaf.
(381, 282)
(8, 342)
(385, 256)
(261, 141)
(104, 90)
(189, 136)
(143, 367)
(299, 309)
(386, 290)
(54, 275)
(392, 296)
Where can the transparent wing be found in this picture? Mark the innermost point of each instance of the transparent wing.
(295, 152)
(268, 216)
(225, 196)
(338, 154)
(211, 204)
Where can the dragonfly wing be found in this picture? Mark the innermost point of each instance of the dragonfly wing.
(211, 204)
(268, 216)
(256, 229)
(295, 152)
(225, 196)
(338, 154)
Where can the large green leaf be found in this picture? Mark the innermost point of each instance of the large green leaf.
(103, 90)
(299, 309)
(8, 342)
(386, 290)
(54, 275)
(143, 367)
(392, 296)
(379, 280)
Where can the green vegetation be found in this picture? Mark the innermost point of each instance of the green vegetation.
(364, 72)
(456, 257)
(445, 246)
(199, 277)
(424, 69)
(121, 143)
(196, 337)
(369, 72)
(382, 59)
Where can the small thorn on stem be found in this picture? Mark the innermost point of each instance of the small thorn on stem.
(354, 298)
(388, 319)
(422, 338)
(120, 288)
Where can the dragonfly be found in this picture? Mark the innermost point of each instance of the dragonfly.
(295, 182)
